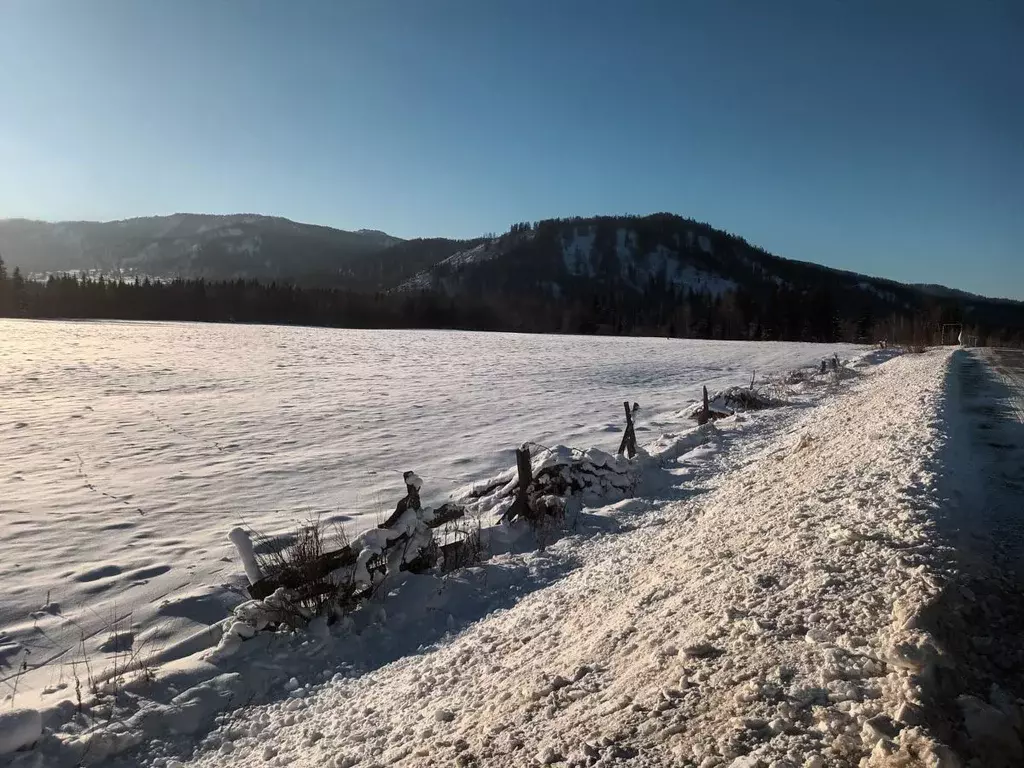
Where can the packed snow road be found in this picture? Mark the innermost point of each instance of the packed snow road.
(976, 615)
(990, 407)
(769, 621)
(1009, 365)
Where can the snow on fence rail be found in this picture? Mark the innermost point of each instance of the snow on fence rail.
(296, 583)
(292, 587)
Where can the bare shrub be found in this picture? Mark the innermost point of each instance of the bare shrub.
(461, 544)
(796, 377)
(314, 563)
(547, 520)
(131, 662)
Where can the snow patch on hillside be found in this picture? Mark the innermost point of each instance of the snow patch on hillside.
(639, 270)
(577, 252)
(702, 282)
(484, 252)
(887, 296)
(421, 281)
(490, 249)
(250, 245)
(623, 248)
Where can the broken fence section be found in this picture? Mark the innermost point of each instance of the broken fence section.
(301, 581)
(628, 444)
(544, 479)
(728, 402)
(407, 533)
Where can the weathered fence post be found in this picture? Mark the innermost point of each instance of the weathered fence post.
(521, 505)
(705, 413)
(243, 544)
(628, 444)
(411, 500)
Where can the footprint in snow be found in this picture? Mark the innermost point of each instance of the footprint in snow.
(118, 642)
(101, 572)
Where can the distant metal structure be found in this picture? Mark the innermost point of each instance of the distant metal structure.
(956, 333)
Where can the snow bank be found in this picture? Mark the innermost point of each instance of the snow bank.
(591, 477)
(19, 728)
(670, 446)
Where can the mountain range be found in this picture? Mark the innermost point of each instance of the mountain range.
(186, 245)
(605, 266)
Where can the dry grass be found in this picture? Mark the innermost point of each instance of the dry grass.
(304, 559)
(461, 544)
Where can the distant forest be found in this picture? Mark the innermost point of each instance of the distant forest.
(781, 315)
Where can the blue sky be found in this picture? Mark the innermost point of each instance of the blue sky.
(881, 137)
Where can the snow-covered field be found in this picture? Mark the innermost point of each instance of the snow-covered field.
(767, 610)
(830, 582)
(129, 450)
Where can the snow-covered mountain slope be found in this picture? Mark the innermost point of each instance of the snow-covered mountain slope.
(638, 268)
(490, 248)
(581, 258)
(638, 271)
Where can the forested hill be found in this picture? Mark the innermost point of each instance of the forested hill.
(652, 275)
(664, 273)
(185, 245)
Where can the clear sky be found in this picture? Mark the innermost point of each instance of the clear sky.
(883, 137)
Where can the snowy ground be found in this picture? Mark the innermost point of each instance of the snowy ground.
(833, 586)
(129, 450)
(766, 611)
(831, 583)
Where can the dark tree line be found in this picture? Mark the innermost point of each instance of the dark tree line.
(780, 314)
(774, 313)
(234, 301)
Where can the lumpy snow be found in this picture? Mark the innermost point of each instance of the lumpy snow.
(763, 606)
(795, 586)
(131, 450)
